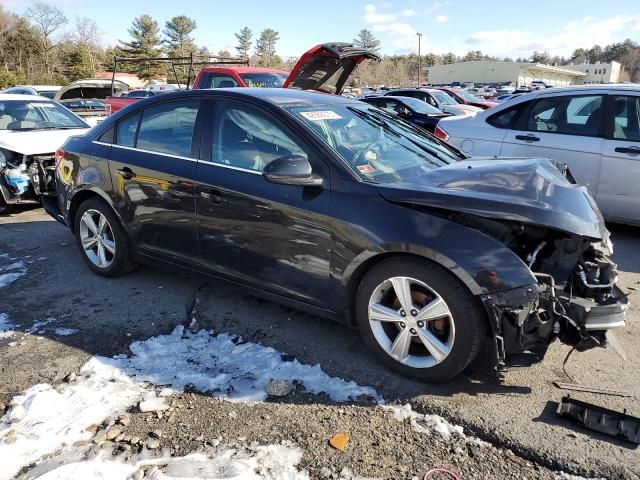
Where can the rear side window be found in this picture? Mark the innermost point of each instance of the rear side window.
(626, 118)
(567, 115)
(218, 80)
(506, 118)
(107, 136)
(168, 127)
(126, 130)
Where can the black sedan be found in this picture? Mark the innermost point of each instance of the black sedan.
(412, 110)
(335, 207)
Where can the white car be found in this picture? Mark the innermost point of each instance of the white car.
(437, 98)
(594, 129)
(32, 128)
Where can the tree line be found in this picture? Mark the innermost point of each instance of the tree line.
(43, 46)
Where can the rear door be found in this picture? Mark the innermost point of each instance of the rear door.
(274, 237)
(567, 128)
(618, 193)
(153, 167)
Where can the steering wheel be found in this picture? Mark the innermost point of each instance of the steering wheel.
(371, 147)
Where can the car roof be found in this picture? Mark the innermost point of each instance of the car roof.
(243, 69)
(11, 96)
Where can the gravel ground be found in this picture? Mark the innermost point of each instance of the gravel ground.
(515, 414)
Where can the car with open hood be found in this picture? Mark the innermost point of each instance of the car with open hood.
(32, 128)
(87, 98)
(341, 209)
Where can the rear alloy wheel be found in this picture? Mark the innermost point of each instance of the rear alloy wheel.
(101, 239)
(419, 319)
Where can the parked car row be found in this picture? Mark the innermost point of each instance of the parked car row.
(341, 208)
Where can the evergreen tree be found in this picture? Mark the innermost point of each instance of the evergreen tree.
(244, 42)
(366, 40)
(178, 41)
(266, 49)
(145, 42)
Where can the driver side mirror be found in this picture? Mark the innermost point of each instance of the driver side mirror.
(291, 170)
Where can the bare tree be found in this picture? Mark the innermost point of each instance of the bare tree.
(48, 20)
(87, 35)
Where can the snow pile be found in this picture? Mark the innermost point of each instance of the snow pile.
(44, 419)
(6, 327)
(424, 423)
(225, 366)
(11, 272)
(275, 462)
(63, 332)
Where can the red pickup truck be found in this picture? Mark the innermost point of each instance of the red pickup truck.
(325, 68)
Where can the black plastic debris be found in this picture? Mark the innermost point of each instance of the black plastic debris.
(599, 419)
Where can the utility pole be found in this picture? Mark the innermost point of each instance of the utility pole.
(419, 57)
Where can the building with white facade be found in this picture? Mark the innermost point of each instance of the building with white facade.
(598, 72)
(517, 73)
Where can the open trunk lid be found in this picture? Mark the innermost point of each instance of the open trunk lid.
(326, 68)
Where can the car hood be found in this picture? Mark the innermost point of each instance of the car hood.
(317, 68)
(35, 142)
(527, 190)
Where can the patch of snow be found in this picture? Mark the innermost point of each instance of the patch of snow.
(225, 366)
(567, 476)
(37, 327)
(63, 332)
(276, 462)
(152, 403)
(425, 423)
(11, 276)
(6, 327)
(7, 279)
(45, 418)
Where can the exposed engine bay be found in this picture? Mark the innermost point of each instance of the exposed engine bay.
(25, 178)
(575, 298)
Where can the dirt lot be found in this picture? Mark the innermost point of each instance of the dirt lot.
(515, 415)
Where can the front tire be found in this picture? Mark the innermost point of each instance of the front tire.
(102, 241)
(419, 319)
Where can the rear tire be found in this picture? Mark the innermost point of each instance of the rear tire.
(431, 330)
(102, 241)
(5, 208)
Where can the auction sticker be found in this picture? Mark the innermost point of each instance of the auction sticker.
(366, 168)
(318, 115)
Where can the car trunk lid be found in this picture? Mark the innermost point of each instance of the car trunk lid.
(327, 67)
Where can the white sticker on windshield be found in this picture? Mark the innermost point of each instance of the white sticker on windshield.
(318, 115)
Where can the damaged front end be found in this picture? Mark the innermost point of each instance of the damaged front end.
(575, 298)
(25, 179)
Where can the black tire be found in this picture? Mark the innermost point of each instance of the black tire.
(5, 208)
(468, 318)
(121, 262)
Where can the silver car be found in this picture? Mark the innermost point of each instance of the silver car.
(594, 129)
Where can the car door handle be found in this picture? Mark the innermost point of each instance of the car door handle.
(528, 138)
(126, 173)
(632, 150)
(214, 196)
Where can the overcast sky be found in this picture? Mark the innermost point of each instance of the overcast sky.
(495, 27)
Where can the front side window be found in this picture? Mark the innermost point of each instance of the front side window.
(567, 115)
(36, 115)
(126, 130)
(375, 145)
(248, 138)
(168, 127)
(626, 118)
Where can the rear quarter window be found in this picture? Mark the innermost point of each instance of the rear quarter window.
(507, 118)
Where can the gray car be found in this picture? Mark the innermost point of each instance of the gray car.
(594, 129)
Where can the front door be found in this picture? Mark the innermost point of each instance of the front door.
(565, 128)
(619, 191)
(275, 237)
(153, 167)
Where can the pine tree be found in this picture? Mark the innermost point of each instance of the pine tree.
(145, 43)
(177, 31)
(244, 42)
(266, 48)
(366, 40)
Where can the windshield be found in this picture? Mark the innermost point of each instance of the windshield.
(419, 106)
(377, 146)
(264, 79)
(48, 93)
(36, 115)
(443, 98)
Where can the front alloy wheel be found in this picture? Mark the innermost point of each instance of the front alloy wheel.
(411, 322)
(418, 318)
(96, 236)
